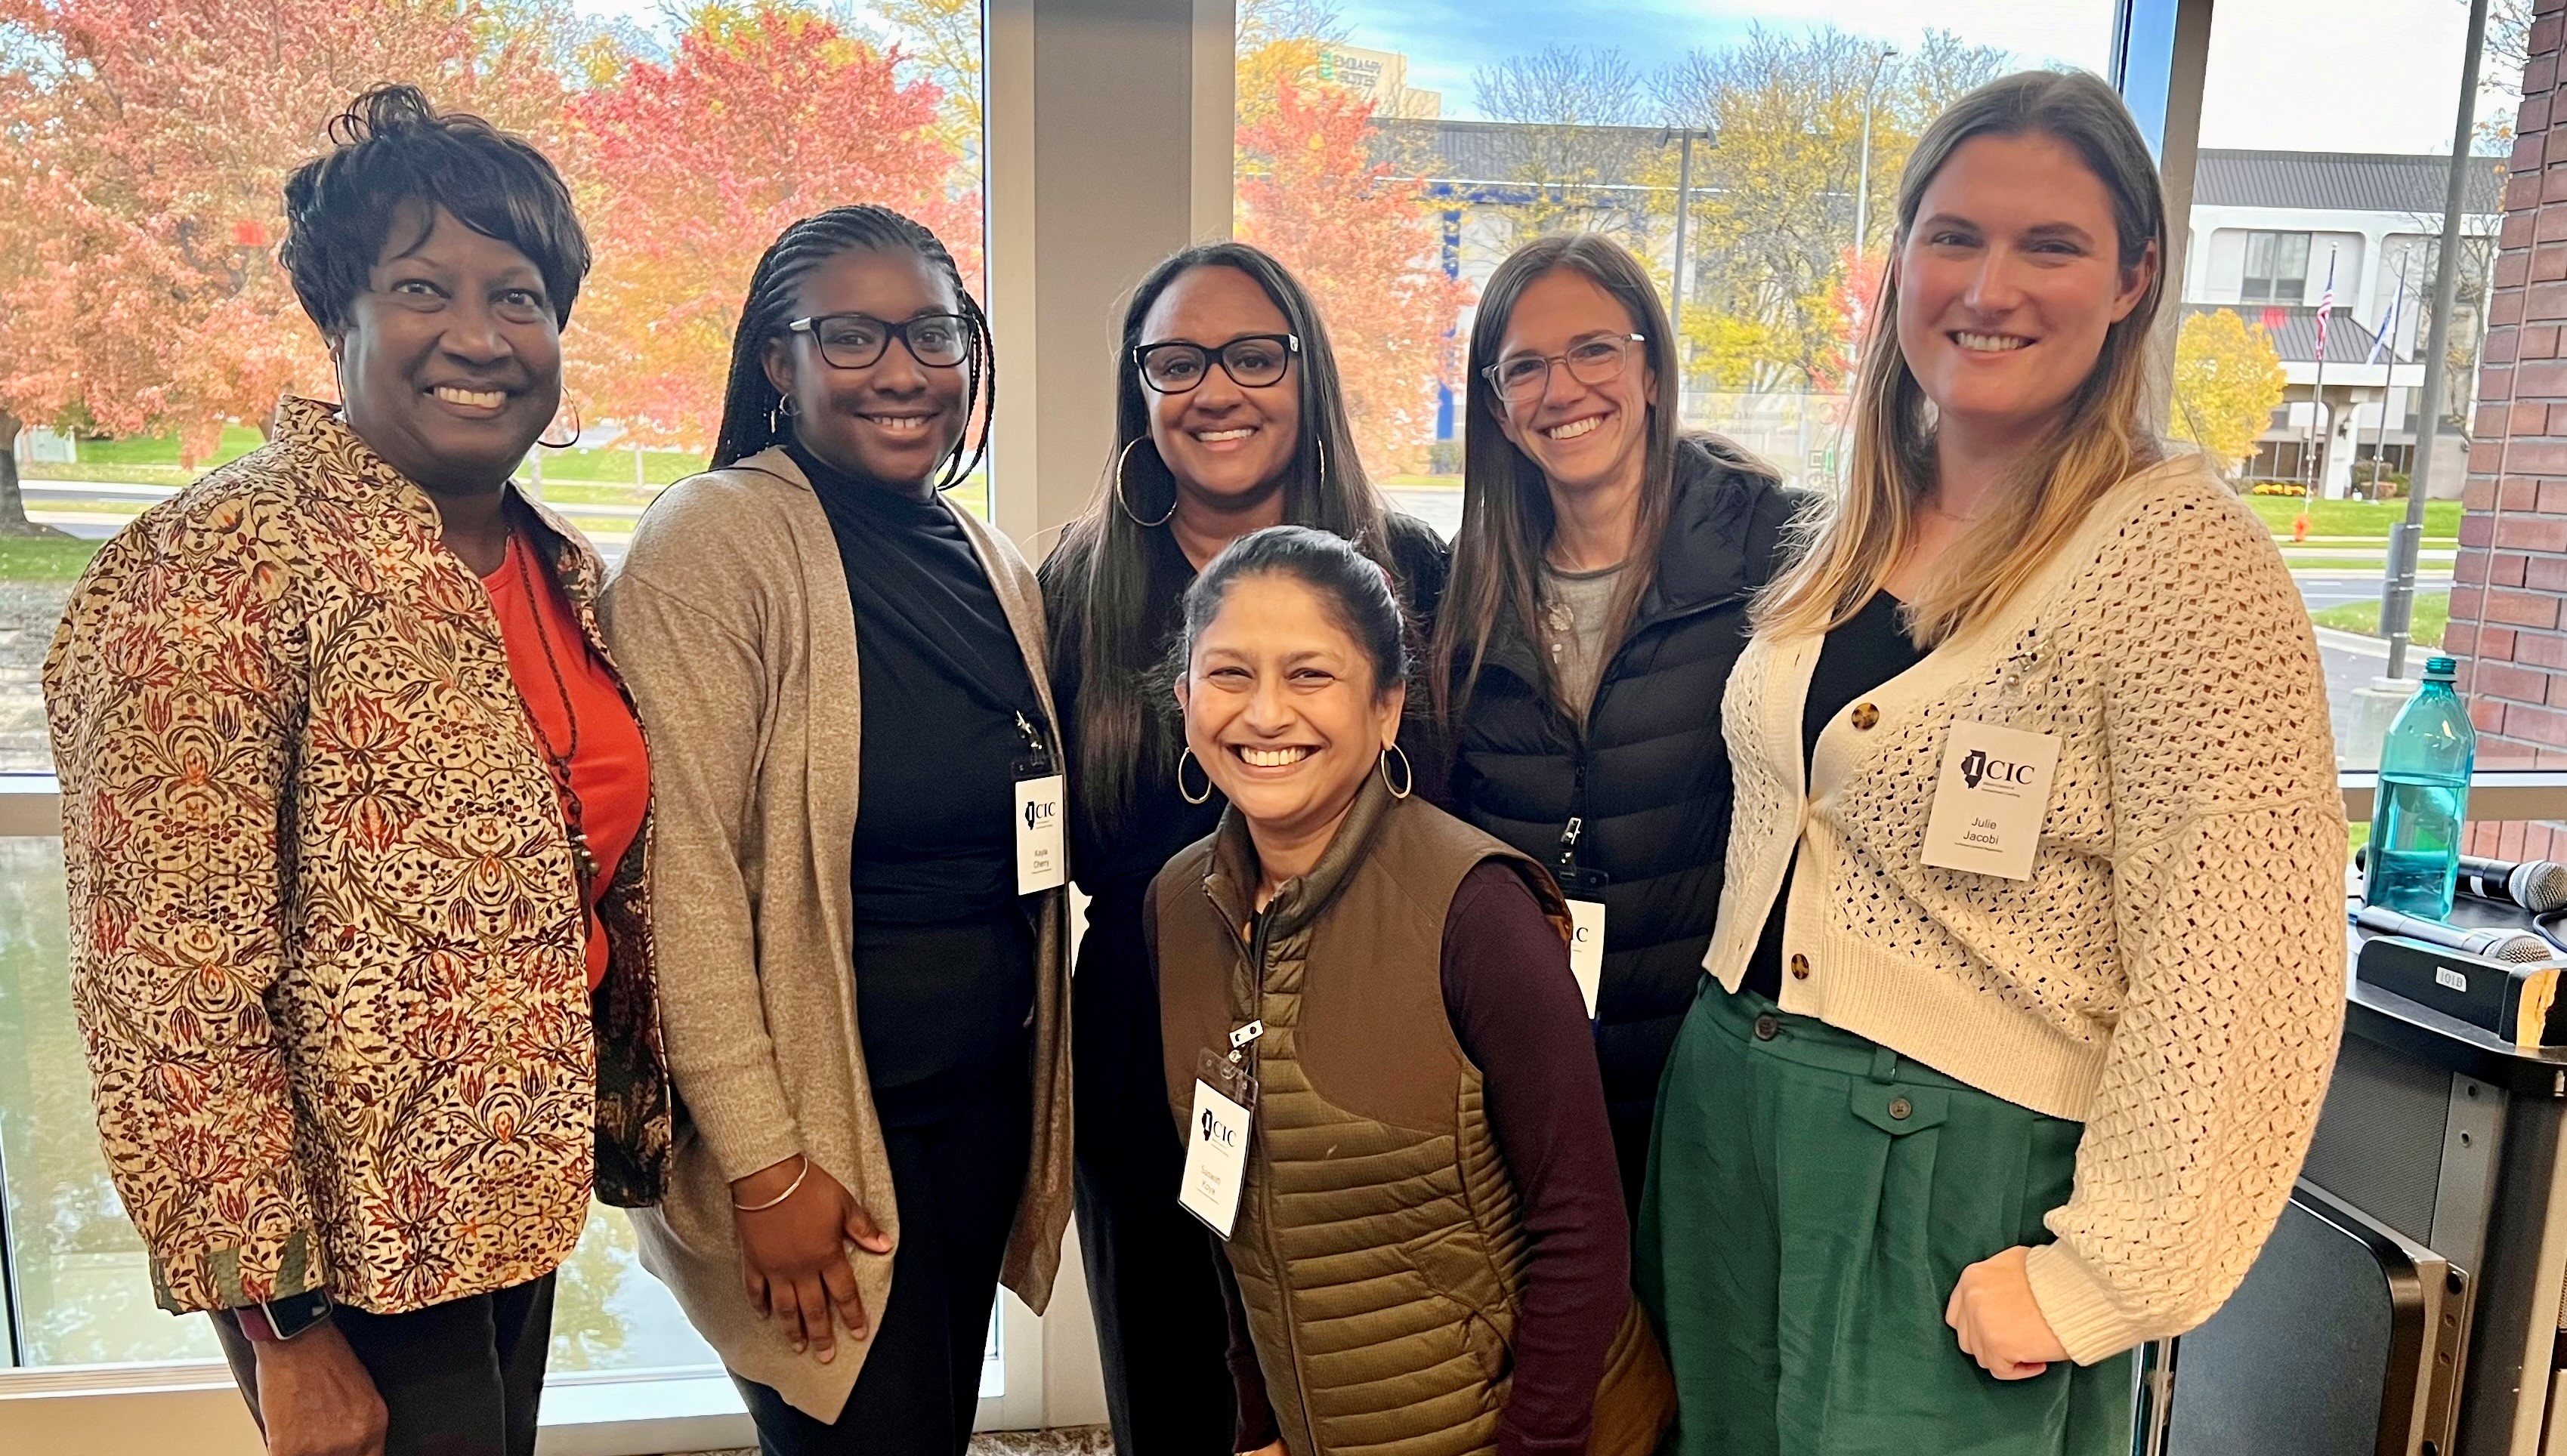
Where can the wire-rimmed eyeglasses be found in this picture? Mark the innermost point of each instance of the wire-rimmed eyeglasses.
(1597, 360)
(859, 340)
(1252, 361)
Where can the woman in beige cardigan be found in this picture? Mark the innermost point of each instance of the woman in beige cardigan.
(867, 1015)
(2030, 963)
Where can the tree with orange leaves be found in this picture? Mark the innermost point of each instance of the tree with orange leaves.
(765, 114)
(1359, 238)
(141, 180)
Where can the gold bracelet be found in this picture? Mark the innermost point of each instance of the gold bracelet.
(790, 1190)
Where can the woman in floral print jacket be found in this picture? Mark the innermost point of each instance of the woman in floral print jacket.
(355, 814)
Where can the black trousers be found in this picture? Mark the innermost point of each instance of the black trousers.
(1162, 1327)
(958, 1169)
(460, 1379)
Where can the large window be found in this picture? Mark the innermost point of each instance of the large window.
(1751, 154)
(2339, 198)
(2277, 268)
(689, 139)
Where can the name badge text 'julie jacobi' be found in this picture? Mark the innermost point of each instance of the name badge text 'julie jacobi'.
(1990, 799)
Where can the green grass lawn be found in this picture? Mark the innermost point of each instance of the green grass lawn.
(2432, 614)
(573, 477)
(2356, 518)
(44, 558)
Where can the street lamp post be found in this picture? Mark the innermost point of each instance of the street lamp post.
(1862, 173)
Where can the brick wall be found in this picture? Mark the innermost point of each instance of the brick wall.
(2510, 584)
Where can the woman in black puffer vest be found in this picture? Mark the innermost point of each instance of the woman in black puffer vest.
(1598, 600)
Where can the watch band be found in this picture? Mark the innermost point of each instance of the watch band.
(283, 1319)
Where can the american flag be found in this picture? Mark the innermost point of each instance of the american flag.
(2326, 305)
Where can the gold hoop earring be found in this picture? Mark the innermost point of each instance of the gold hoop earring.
(1120, 499)
(1205, 796)
(1407, 776)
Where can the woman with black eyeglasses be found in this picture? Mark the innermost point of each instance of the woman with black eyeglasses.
(1599, 594)
(1229, 417)
(867, 1012)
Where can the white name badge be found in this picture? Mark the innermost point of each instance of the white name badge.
(1587, 948)
(1042, 861)
(1216, 1160)
(1990, 801)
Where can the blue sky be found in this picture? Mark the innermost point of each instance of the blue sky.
(2294, 75)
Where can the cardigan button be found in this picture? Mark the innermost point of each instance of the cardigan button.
(1901, 1107)
(1864, 715)
(1800, 968)
(1766, 1028)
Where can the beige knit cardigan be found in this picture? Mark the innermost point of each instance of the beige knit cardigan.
(732, 621)
(2172, 975)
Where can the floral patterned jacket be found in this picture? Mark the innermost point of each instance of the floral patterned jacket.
(327, 947)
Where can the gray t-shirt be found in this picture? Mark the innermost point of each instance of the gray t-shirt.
(1575, 612)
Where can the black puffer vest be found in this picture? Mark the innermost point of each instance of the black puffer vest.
(1648, 779)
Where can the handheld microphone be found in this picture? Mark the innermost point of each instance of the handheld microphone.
(2537, 885)
(2514, 947)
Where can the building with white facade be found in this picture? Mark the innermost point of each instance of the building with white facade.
(2266, 228)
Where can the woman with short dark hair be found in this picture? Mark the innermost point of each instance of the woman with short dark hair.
(1230, 415)
(355, 814)
(868, 1010)
(1423, 1226)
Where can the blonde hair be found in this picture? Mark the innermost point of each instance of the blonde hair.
(2100, 441)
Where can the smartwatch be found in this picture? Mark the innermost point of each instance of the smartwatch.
(283, 1319)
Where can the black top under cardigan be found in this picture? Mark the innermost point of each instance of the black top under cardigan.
(1649, 776)
(1859, 654)
(944, 952)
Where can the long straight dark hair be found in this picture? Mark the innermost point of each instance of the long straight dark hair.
(750, 420)
(1104, 560)
(1506, 518)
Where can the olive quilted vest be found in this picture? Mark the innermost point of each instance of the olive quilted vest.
(1379, 1248)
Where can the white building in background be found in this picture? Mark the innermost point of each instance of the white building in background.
(2267, 225)
(1379, 76)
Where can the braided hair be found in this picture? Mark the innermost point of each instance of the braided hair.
(749, 422)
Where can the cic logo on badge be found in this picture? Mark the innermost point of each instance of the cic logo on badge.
(1999, 775)
(1039, 811)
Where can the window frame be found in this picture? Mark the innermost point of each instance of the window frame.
(1046, 457)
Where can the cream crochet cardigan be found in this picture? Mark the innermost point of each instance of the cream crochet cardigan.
(2172, 975)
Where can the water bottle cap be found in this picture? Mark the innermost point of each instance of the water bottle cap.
(2442, 667)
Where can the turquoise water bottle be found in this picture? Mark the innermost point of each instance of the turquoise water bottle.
(2414, 852)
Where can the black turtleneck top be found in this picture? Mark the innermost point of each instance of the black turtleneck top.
(944, 950)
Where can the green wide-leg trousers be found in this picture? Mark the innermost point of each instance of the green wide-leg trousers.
(1812, 1198)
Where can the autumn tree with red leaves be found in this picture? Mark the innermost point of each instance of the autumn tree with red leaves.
(143, 149)
(1359, 237)
(765, 114)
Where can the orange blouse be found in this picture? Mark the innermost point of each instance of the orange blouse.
(610, 769)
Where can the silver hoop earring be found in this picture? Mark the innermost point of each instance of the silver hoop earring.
(1120, 499)
(778, 412)
(1319, 443)
(1407, 776)
(1182, 759)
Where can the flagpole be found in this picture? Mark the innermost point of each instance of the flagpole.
(2317, 403)
(2387, 343)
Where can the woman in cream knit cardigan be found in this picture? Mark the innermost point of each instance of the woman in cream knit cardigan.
(1939, 1145)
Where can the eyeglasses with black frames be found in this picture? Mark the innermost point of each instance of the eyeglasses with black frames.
(859, 340)
(1598, 358)
(1253, 361)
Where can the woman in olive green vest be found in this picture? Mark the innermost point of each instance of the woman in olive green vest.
(1373, 1001)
